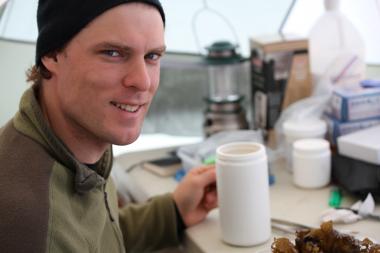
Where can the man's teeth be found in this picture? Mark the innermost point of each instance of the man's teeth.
(128, 108)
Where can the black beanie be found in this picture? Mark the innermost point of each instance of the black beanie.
(60, 20)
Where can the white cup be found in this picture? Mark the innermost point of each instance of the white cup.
(311, 163)
(243, 193)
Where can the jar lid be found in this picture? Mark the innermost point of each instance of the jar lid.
(305, 128)
(311, 146)
(240, 151)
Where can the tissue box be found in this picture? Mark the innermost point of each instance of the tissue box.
(336, 128)
(363, 145)
(348, 105)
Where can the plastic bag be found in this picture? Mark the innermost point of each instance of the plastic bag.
(337, 55)
(303, 110)
(345, 71)
(333, 38)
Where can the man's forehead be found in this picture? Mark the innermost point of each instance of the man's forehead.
(59, 21)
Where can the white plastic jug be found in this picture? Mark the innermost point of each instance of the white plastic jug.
(336, 48)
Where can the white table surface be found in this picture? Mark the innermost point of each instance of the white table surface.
(288, 202)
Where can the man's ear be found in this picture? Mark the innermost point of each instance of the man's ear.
(50, 62)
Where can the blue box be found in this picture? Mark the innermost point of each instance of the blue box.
(336, 128)
(358, 104)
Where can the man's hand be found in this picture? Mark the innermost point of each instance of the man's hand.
(196, 195)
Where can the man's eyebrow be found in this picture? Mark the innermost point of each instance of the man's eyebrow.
(114, 45)
(160, 49)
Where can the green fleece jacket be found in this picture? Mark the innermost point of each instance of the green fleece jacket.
(50, 202)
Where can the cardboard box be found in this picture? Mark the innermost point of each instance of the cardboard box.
(349, 105)
(336, 128)
(280, 75)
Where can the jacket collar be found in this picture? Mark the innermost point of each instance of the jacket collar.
(30, 121)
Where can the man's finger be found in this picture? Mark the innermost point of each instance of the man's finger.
(210, 201)
(207, 177)
(202, 169)
(211, 197)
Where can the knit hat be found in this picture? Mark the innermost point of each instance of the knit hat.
(60, 20)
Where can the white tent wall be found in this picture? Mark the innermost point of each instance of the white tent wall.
(15, 59)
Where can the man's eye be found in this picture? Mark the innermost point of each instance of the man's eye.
(153, 56)
(112, 53)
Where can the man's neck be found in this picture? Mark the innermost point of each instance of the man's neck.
(82, 144)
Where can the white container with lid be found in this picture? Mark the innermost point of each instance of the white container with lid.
(311, 163)
(243, 193)
(301, 129)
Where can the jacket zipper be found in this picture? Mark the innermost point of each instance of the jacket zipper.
(118, 236)
(106, 202)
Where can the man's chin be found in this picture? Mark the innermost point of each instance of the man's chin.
(125, 140)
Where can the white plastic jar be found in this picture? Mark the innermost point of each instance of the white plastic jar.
(311, 163)
(301, 129)
(243, 193)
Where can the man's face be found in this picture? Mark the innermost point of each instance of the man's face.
(108, 74)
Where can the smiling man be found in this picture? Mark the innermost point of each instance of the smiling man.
(97, 70)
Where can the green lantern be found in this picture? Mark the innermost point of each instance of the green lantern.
(224, 110)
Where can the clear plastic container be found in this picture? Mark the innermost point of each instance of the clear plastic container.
(336, 48)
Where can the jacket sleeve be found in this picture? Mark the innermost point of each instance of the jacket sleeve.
(149, 226)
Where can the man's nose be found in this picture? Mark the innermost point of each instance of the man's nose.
(137, 75)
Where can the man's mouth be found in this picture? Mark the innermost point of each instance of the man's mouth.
(125, 107)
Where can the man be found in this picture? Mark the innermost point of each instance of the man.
(97, 70)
